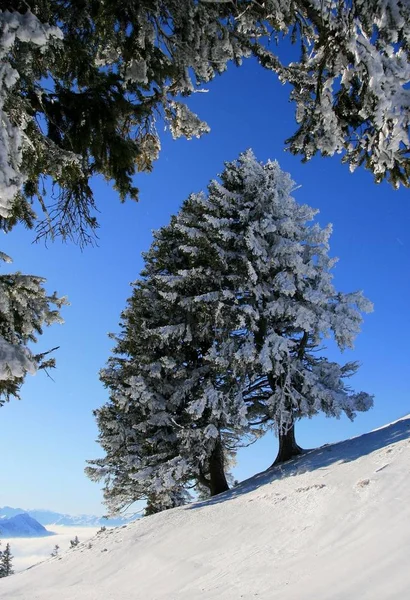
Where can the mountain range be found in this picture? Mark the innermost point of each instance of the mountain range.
(49, 517)
(22, 525)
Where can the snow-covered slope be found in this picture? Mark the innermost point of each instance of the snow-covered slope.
(332, 525)
(22, 525)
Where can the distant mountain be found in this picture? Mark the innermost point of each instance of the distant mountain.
(49, 517)
(22, 525)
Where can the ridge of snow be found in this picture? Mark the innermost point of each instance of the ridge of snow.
(332, 524)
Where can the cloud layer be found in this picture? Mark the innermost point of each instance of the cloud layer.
(30, 551)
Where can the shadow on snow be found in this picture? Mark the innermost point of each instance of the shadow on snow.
(319, 458)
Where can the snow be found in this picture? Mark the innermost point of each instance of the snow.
(183, 122)
(24, 28)
(30, 551)
(14, 361)
(331, 525)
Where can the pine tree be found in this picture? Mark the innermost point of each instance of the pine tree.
(6, 566)
(82, 86)
(167, 424)
(147, 419)
(221, 338)
(223, 328)
(112, 69)
(25, 309)
(270, 298)
(280, 273)
(55, 551)
(74, 542)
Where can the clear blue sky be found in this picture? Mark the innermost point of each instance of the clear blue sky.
(46, 438)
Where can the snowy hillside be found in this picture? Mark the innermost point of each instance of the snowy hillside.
(22, 525)
(332, 525)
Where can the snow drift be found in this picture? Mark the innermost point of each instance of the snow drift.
(331, 525)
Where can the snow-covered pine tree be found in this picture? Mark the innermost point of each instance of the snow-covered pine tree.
(272, 299)
(134, 446)
(167, 424)
(280, 274)
(128, 448)
(83, 84)
(351, 84)
(234, 301)
(24, 305)
(25, 308)
(6, 564)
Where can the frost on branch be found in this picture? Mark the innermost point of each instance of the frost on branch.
(24, 310)
(351, 87)
(183, 122)
(119, 70)
(14, 28)
(15, 361)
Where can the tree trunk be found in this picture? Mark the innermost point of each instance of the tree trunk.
(217, 479)
(288, 448)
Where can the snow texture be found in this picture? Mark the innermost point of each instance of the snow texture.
(15, 27)
(15, 361)
(331, 525)
(24, 309)
(17, 292)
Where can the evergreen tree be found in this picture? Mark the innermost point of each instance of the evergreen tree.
(83, 83)
(272, 284)
(224, 328)
(55, 551)
(25, 309)
(280, 273)
(24, 305)
(167, 424)
(74, 542)
(164, 426)
(6, 566)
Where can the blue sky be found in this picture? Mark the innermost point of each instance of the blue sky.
(47, 437)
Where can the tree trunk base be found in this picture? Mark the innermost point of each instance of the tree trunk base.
(218, 483)
(288, 448)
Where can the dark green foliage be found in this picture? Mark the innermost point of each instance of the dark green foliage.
(6, 564)
(89, 103)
